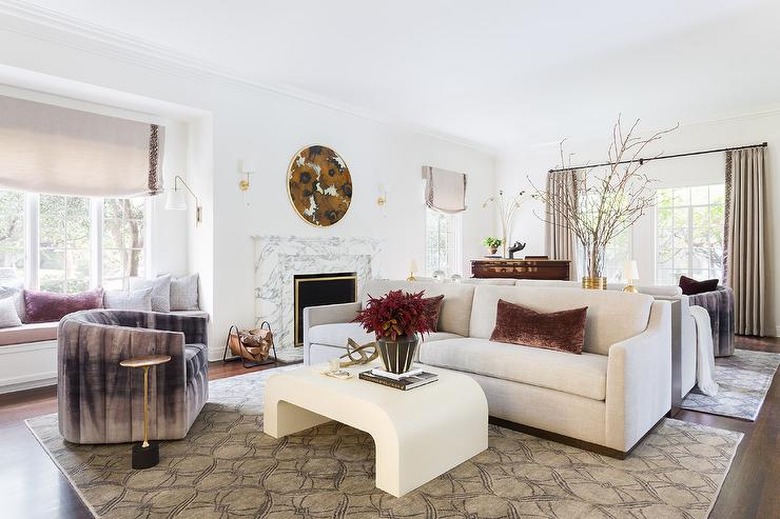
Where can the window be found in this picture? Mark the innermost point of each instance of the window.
(123, 240)
(64, 227)
(616, 253)
(12, 265)
(72, 242)
(689, 233)
(442, 251)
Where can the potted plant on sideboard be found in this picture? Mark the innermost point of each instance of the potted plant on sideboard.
(492, 243)
(395, 319)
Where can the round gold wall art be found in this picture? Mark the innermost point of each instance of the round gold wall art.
(319, 185)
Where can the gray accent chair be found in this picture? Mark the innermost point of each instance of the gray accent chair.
(101, 402)
(719, 303)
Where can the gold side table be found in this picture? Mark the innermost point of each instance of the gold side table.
(145, 455)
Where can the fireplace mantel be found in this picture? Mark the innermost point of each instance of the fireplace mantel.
(278, 258)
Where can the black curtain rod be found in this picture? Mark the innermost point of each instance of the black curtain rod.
(678, 155)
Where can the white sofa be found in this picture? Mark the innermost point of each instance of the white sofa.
(688, 337)
(608, 398)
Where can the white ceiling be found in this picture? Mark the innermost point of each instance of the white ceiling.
(496, 72)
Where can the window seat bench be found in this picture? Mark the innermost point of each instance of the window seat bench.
(34, 332)
(28, 354)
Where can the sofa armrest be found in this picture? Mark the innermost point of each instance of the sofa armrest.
(639, 380)
(325, 314)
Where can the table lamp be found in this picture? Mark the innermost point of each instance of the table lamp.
(631, 273)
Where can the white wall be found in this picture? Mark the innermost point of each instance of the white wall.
(240, 121)
(689, 171)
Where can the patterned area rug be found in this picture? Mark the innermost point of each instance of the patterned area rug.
(744, 379)
(226, 467)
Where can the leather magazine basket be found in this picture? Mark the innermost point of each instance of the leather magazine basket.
(252, 345)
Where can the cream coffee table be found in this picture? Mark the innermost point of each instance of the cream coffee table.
(418, 434)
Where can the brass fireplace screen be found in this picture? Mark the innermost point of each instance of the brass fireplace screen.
(321, 289)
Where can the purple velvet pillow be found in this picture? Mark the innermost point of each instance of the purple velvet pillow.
(691, 286)
(44, 307)
(433, 310)
(561, 331)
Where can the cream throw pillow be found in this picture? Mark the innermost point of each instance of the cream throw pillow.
(140, 299)
(184, 293)
(161, 291)
(8, 315)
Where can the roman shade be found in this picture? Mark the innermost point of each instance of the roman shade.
(445, 191)
(51, 149)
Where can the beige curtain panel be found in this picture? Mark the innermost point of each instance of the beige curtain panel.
(559, 237)
(744, 250)
(51, 149)
(445, 190)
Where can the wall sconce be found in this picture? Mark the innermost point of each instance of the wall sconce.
(247, 168)
(175, 200)
(381, 196)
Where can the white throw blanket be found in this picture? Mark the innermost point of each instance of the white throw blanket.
(705, 358)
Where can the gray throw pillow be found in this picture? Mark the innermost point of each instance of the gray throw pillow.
(8, 315)
(14, 291)
(184, 293)
(140, 299)
(161, 291)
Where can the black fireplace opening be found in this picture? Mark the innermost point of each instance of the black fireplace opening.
(318, 290)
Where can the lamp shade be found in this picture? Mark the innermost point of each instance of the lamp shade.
(174, 200)
(630, 270)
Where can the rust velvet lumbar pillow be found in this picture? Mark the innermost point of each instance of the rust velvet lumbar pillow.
(562, 331)
(433, 310)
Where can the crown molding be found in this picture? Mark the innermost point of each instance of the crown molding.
(761, 113)
(55, 27)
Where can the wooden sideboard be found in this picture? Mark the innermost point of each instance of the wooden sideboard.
(520, 268)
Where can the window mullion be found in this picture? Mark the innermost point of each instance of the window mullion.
(31, 241)
(96, 241)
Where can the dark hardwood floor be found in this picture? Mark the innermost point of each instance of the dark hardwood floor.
(33, 487)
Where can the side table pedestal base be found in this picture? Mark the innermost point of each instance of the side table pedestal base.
(146, 457)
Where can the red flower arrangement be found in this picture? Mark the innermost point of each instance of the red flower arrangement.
(396, 314)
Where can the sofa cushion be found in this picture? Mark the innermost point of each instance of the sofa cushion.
(612, 316)
(583, 375)
(562, 331)
(196, 358)
(336, 335)
(455, 308)
(43, 307)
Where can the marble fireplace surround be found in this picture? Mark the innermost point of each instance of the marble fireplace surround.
(278, 258)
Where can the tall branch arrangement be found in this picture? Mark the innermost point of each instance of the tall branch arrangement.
(606, 201)
(506, 213)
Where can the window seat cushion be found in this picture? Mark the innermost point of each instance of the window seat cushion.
(34, 332)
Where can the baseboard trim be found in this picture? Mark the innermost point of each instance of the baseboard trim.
(568, 440)
(29, 382)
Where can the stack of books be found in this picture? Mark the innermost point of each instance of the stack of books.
(404, 381)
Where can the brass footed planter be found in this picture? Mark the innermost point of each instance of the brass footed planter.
(597, 283)
(397, 356)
